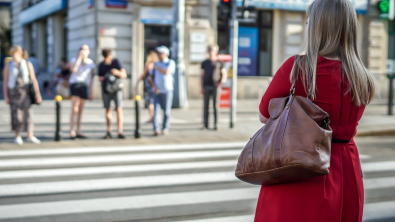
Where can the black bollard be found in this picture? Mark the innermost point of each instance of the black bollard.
(137, 132)
(390, 94)
(58, 136)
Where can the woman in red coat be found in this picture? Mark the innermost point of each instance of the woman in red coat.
(340, 84)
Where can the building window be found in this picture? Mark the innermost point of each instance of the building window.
(265, 43)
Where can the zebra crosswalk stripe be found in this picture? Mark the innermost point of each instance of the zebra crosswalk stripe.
(130, 202)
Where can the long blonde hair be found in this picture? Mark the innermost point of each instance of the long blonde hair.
(151, 58)
(332, 32)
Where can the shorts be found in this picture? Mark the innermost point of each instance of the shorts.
(116, 97)
(79, 90)
(148, 98)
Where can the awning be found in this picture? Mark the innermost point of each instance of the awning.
(41, 10)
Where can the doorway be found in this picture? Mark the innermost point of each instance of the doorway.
(155, 36)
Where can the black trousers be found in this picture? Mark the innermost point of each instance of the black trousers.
(209, 91)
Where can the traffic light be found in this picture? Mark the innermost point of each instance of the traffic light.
(225, 8)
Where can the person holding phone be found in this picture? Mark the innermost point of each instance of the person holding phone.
(80, 83)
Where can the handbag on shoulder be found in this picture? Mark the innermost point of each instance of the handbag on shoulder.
(294, 144)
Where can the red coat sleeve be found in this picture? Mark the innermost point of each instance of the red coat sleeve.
(279, 86)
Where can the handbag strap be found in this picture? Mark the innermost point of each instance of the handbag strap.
(295, 79)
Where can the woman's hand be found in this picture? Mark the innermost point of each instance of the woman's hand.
(7, 101)
(39, 99)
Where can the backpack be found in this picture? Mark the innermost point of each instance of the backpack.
(217, 75)
(112, 84)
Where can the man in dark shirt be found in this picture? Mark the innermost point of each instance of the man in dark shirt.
(112, 66)
(210, 81)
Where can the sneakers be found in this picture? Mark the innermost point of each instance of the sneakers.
(34, 140)
(18, 140)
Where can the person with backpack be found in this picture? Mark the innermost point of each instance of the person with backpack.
(110, 74)
(213, 75)
(162, 81)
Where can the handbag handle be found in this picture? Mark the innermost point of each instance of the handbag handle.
(295, 79)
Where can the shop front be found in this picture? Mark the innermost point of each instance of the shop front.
(273, 32)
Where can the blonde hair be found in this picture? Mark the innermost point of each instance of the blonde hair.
(16, 48)
(212, 47)
(151, 58)
(332, 32)
(25, 55)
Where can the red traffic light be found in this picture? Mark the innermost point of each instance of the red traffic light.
(226, 1)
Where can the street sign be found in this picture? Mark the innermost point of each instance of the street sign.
(386, 8)
(116, 4)
(391, 66)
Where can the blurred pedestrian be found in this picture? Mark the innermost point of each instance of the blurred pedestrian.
(162, 81)
(80, 83)
(148, 90)
(213, 75)
(63, 69)
(110, 68)
(331, 74)
(35, 62)
(18, 74)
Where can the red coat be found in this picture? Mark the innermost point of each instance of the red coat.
(338, 196)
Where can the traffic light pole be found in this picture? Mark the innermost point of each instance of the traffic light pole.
(234, 30)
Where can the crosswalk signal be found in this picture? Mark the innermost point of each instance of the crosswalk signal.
(225, 8)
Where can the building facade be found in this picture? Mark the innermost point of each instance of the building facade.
(273, 33)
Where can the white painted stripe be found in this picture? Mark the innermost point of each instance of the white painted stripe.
(124, 203)
(114, 183)
(42, 162)
(378, 166)
(364, 157)
(244, 218)
(379, 183)
(114, 169)
(379, 210)
(86, 150)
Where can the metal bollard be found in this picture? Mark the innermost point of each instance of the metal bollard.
(390, 94)
(58, 136)
(137, 132)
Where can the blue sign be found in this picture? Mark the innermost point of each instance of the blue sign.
(41, 10)
(248, 51)
(298, 5)
(91, 3)
(116, 3)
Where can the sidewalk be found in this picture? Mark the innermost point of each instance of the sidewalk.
(185, 125)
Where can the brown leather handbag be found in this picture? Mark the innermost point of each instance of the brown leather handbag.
(295, 144)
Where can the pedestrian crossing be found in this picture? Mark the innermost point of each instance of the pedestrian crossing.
(181, 183)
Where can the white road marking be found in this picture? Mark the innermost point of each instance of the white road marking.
(114, 183)
(379, 210)
(56, 161)
(114, 169)
(86, 150)
(378, 166)
(379, 183)
(244, 218)
(364, 157)
(123, 203)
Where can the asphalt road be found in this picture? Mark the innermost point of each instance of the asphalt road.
(183, 182)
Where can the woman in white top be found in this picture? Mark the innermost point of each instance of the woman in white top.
(80, 88)
(18, 74)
